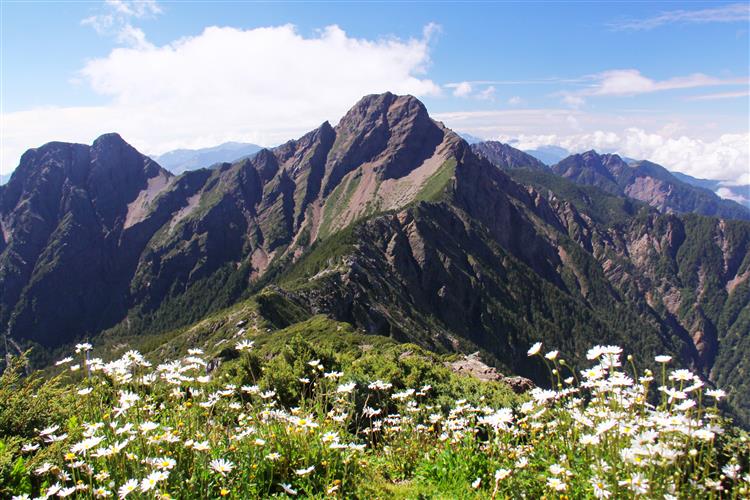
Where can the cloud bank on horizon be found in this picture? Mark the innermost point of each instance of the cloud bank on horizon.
(224, 84)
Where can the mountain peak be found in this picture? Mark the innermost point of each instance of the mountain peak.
(109, 138)
(375, 107)
(326, 125)
(394, 134)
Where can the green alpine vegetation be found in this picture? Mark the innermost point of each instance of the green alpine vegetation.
(304, 412)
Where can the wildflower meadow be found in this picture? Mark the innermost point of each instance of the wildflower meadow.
(134, 428)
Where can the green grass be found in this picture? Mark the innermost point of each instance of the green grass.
(434, 187)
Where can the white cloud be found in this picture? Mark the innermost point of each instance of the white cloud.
(480, 90)
(263, 85)
(686, 147)
(620, 82)
(729, 194)
(461, 89)
(132, 36)
(630, 82)
(134, 8)
(727, 157)
(116, 18)
(737, 12)
(487, 94)
(720, 95)
(515, 101)
(574, 101)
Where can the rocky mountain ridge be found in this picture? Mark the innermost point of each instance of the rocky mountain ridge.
(111, 220)
(388, 221)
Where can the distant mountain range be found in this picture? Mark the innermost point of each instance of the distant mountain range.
(388, 221)
(641, 180)
(647, 182)
(182, 160)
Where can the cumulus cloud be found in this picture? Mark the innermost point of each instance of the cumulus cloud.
(727, 157)
(677, 146)
(515, 101)
(262, 85)
(737, 12)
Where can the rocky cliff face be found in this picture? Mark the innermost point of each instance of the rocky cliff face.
(65, 242)
(647, 182)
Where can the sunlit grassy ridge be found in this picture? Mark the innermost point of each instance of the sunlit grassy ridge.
(292, 415)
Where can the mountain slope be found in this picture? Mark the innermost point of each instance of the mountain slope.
(648, 182)
(123, 237)
(63, 216)
(388, 221)
(182, 160)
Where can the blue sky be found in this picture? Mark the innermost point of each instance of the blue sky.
(667, 81)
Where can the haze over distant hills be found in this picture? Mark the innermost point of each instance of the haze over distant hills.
(471, 139)
(388, 221)
(739, 193)
(181, 160)
(549, 154)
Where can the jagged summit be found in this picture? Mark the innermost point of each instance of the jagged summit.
(373, 105)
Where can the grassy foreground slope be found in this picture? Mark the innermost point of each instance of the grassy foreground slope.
(318, 410)
(265, 400)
